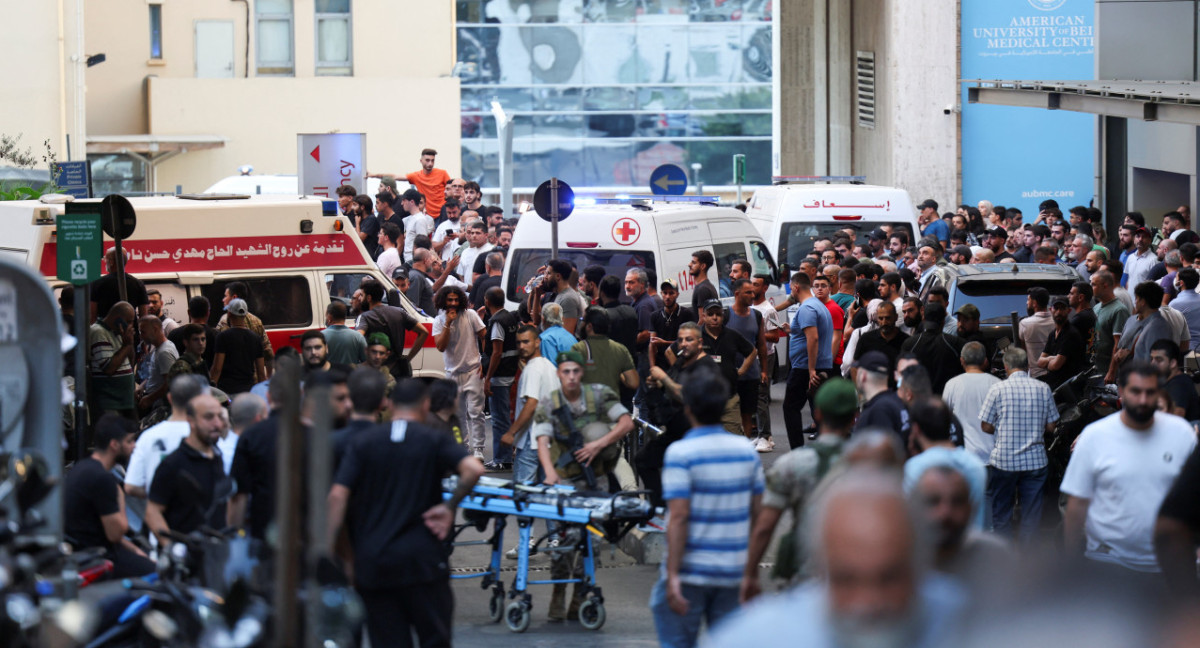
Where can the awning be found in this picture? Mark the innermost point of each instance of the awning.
(1166, 101)
(152, 144)
(152, 150)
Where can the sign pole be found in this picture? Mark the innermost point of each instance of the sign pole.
(739, 173)
(553, 218)
(82, 305)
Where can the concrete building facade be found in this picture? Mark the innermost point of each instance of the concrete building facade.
(196, 89)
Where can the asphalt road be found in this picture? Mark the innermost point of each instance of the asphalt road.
(625, 584)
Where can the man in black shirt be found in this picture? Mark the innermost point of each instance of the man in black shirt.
(703, 289)
(994, 239)
(501, 360)
(1065, 354)
(395, 322)
(689, 358)
(1168, 359)
(493, 268)
(1177, 529)
(882, 409)
(726, 346)
(94, 504)
(367, 387)
(183, 495)
(388, 492)
(886, 338)
(198, 310)
(106, 289)
(622, 319)
(664, 324)
(938, 351)
(238, 364)
(1082, 317)
(968, 328)
(253, 469)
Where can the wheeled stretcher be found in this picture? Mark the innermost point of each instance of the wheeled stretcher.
(605, 515)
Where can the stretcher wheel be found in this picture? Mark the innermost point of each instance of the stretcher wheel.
(517, 616)
(496, 606)
(592, 614)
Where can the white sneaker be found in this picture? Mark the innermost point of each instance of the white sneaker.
(478, 454)
(764, 445)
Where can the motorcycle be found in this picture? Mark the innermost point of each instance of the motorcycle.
(1082, 400)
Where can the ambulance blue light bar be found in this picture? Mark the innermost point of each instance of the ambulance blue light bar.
(815, 179)
(329, 208)
(675, 199)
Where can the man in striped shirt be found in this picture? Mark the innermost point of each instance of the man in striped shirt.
(713, 484)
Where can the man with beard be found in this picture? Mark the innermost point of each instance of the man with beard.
(886, 338)
(931, 425)
(898, 245)
(871, 587)
(689, 357)
(1082, 317)
(94, 504)
(968, 328)
(1122, 247)
(940, 489)
(183, 493)
(938, 351)
(1147, 326)
(994, 240)
(1065, 353)
(1122, 466)
(703, 290)
(1141, 259)
(1058, 232)
(315, 352)
(928, 255)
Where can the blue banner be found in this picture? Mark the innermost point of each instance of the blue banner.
(1018, 157)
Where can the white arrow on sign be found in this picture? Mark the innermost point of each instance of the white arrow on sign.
(665, 182)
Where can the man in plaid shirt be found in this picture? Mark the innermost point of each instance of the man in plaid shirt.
(1019, 411)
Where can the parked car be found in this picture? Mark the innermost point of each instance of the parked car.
(998, 290)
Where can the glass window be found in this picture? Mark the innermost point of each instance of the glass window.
(761, 258)
(333, 38)
(341, 285)
(273, 33)
(525, 264)
(289, 304)
(796, 239)
(725, 254)
(997, 299)
(156, 31)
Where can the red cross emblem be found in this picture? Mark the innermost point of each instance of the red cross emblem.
(626, 231)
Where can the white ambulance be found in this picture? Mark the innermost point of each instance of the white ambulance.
(295, 256)
(795, 211)
(657, 234)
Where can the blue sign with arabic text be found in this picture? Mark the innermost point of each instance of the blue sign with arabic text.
(1019, 157)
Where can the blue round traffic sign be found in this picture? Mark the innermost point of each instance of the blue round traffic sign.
(668, 180)
(542, 203)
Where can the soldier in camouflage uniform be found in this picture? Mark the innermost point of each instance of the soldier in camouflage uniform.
(564, 461)
(792, 480)
(191, 361)
(379, 352)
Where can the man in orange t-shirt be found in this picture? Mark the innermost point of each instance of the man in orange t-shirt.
(430, 182)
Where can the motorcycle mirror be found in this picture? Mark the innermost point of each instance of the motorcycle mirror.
(29, 473)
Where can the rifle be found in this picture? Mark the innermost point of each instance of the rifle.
(575, 441)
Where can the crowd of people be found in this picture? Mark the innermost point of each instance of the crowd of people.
(915, 465)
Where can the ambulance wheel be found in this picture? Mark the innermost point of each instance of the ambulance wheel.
(496, 606)
(592, 614)
(517, 616)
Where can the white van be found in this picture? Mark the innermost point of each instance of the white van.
(639, 233)
(294, 254)
(796, 211)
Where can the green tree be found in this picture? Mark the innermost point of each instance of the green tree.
(11, 153)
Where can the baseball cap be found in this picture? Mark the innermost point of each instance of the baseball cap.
(669, 283)
(1060, 301)
(713, 303)
(968, 311)
(237, 308)
(998, 231)
(837, 397)
(877, 235)
(1141, 230)
(928, 204)
(874, 361)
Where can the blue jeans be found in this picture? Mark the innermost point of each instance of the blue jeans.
(1004, 488)
(525, 464)
(707, 603)
(501, 419)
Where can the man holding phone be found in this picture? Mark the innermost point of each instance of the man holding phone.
(110, 361)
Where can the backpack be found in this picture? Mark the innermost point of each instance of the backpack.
(788, 558)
